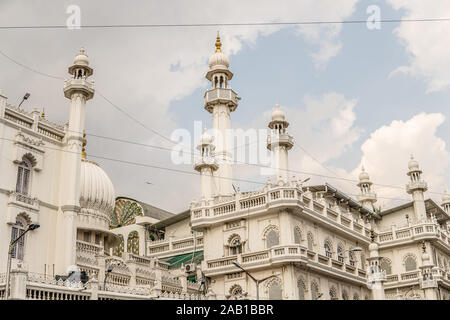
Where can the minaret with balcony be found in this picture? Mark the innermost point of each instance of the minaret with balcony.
(416, 187)
(428, 283)
(367, 197)
(279, 142)
(78, 89)
(375, 275)
(220, 101)
(206, 165)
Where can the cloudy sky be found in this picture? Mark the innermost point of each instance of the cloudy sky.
(353, 95)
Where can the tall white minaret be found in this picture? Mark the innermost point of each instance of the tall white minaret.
(367, 198)
(78, 89)
(279, 142)
(416, 187)
(375, 275)
(206, 166)
(221, 100)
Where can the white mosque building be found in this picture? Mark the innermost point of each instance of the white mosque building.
(286, 240)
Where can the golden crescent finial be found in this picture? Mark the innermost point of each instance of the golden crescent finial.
(218, 43)
(83, 150)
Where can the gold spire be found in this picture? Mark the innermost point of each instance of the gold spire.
(83, 150)
(43, 113)
(218, 43)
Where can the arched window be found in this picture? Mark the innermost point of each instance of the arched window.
(328, 249)
(386, 265)
(235, 245)
(333, 293)
(133, 242)
(297, 235)
(301, 289)
(118, 251)
(314, 290)
(340, 253)
(355, 296)
(310, 241)
(275, 291)
(351, 258)
(272, 238)
(344, 295)
(23, 177)
(410, 263)
(16, 231)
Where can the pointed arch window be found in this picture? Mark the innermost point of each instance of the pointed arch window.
(297, 236)
(310, 241)
(410, 263)
(16, 231)
(272, 238)
(301, 289)
(133, 242)
(385, 265)
(23, 177)
(328, 250)
(235, 245)
(340, 254)
(275, 291)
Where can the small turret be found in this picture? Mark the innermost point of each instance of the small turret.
(280, 142)
(416, 187)
(206, 165)
(367, 198)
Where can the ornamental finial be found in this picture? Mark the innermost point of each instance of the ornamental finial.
(43, 113)
(218, 43)
(83, 150)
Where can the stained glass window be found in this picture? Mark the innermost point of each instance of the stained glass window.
(133, 242)
(117, 251)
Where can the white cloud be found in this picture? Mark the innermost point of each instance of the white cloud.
(387, 152)
(144, 69)
(428, 43)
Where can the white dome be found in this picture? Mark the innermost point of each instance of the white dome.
(97, 190)
(278, 114)
(219, 61)
(206, 138)
(363, 176)
(413, 165)
(81, 59)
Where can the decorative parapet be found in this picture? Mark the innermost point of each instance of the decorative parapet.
(417, 231)
(207, 213)
(34, 122)
(173, 246)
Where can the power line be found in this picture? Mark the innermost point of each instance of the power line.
(146, 165)
(161, 135)
(230, 24)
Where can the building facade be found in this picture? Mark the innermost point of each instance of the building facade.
(285, 240)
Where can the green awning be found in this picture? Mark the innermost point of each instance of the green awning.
(177, 261)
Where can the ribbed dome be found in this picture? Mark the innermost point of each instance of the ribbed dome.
(363, 176)
(278, 114)
(81, 59)
(413, 165)
(97, 190)
(219, 61)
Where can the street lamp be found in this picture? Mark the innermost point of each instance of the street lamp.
(257, 281)
(31, 227)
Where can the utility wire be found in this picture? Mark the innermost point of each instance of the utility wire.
(231, 24)
(146, 165)
(162, 148)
